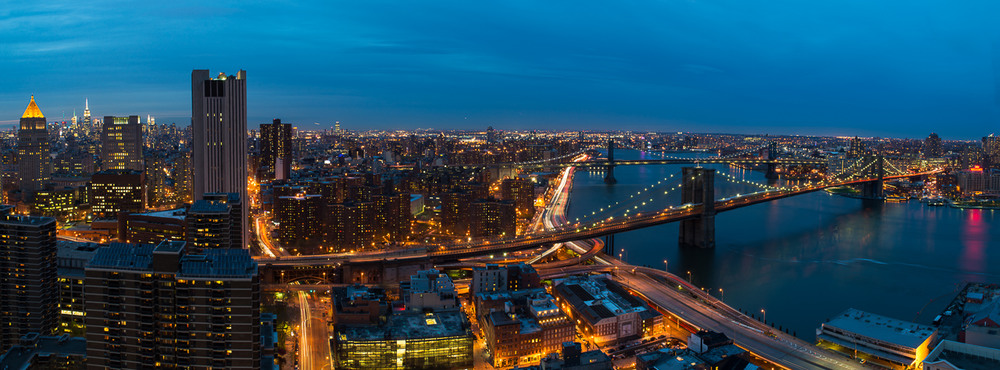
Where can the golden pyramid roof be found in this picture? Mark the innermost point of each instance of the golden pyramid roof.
(32, 110)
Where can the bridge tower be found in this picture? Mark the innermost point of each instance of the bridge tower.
(772, 154)
(698, 187)
(609, 244)
(609, 177)
(873, 189)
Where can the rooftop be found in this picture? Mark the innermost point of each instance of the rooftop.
(20, 356)
(209, 206)
(598, 298)
(215, 263)
(411, 326)
(882, 328)
(172, 213)
(32, 110)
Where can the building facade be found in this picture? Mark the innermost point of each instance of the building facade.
(115, 191)
(161, 305)
(121, 144)
(34, 164)
(219, 124)
(28, 276)
(275, 150)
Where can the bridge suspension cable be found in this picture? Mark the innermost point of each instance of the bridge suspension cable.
(610, 206)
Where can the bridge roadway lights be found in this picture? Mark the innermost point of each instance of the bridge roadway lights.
(698, 187)
(874, 189)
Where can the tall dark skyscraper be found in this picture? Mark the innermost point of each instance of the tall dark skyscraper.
(275, 150)
(28, 292)
(34, 165)
(991, 152)
(219, 123)
(932, 146)
(121, 143)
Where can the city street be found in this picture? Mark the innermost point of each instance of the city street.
(314, 338)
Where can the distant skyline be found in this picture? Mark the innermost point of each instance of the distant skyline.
(852, 67)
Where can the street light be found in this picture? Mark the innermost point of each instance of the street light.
(664, 265)
(722, 295)
(763, 315)
(689, 277)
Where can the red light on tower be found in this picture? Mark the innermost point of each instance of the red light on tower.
(976, 169)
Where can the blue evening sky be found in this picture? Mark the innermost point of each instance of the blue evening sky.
(842, 67)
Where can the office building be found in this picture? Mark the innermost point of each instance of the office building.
(34, 164)
(370, 334)
(491, 217)
(877, 338)
(121, 144)
(214, 222)
(606, 311)
(154, 305)
(28, 291)
(152, 227)
(59, 203)
(275, 151)
(219, 125)
(114, 191)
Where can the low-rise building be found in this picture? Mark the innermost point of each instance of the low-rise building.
(605, 311)
(951, 355)
(877, 338)
(152, 227)
(522, 327)
(35, 351)
(429, 290)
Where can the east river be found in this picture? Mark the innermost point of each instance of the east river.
(806, 258)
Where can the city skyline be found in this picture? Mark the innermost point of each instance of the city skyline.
(777, 68)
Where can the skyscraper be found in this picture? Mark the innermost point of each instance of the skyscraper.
(86, 115)
(932, 146)
(275, 150)
(33, 151)
(219, 123)
(991, 152)
(121, 143)
(28, 292)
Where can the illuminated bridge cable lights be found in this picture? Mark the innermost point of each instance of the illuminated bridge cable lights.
(611, 206)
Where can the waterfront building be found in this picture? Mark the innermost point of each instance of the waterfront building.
(34, 164)
(152, 227)
(149, 305)
(605, 310)
(28, 276)
(991, 152)
(951, 355)
(877, 338)
(214, 222)
(121, 144)
(219, 124)
(115, 191)
(275, 151)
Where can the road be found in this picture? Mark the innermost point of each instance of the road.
(706, 312)
(314, 339)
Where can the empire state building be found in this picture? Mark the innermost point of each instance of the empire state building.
(33, 151)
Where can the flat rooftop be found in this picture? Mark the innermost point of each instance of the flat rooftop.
(882, 328)
(411, 326)
(177, 214)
